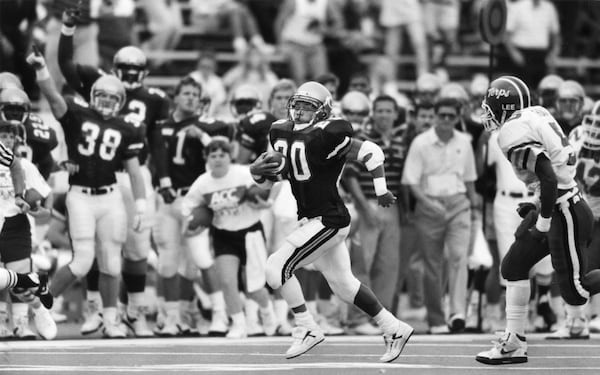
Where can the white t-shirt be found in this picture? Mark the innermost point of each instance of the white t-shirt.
(222, 195)
(531, 26)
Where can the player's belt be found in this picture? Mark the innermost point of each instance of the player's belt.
(182, 191)
(93, 190)
(571, 196)
(516, 194)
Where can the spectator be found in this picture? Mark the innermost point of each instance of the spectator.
(12, 14)
(361, 82)
(441, 21)
(569, 105)
(396, 15)
(332, 83)
(115, 30)
(301, 26)
(532, 47)
(252, 70)
(212, 85)
(379, 229)
(85, 40)
(440, 171)
(210, 16)
(164, 22)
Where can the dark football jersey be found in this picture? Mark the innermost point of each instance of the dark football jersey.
(253, 131)
(183, 158)
(316, 156)
(99, 146)
(41, 139)
(142, 105)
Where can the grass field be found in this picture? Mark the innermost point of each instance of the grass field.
(346, 355)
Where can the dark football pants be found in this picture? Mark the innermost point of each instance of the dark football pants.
(567, 241)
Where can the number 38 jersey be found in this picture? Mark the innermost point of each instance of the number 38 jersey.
(99, 146)
(315, 156)
(533, 131)
(143, 105)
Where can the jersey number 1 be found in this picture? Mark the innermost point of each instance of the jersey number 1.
(298, 158)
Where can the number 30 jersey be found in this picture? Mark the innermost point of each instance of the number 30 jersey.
(99, 146)
(533, 131)
(315, 156)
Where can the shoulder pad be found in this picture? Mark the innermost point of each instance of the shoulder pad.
(156, 91)
(282, 124)
(335, 125)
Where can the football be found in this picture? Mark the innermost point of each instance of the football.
(281, 161)
(254, 191)
(33, 198)
(201, 216)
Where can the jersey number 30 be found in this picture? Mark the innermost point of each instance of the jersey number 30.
(109, 143)
(298, 160)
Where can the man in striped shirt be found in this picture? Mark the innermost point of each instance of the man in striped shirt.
(7, 159)
(379, 230)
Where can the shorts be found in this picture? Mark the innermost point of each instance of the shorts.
(15, 239)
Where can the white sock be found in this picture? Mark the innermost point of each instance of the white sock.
(217, 300)
(386, 321)
(238, 319)
(94, 296)
(8, 279)
(134, 302)
(517, 305)
(305, 319)
(109, 314)
(575, 311)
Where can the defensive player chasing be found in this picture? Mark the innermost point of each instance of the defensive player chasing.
(561, 224)
(317, 148)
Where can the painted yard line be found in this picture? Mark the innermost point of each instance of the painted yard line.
(6, 346)
(280, 355)
(245, 367)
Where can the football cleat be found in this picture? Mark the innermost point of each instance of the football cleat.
(114, 330)
(43, 293)
(304, 340)
(44, 323)
(394, 344)
(93, 321)
(510, 348)
(573, 329)
(21, 328)
(218, 324)
(239, 331)
(137, 323)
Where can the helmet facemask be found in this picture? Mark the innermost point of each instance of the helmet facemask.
(591, 128)
(488, 118)
(106, 103)
(14, 112)
(131, 75)
(298, 104)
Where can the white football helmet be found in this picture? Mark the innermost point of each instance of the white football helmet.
(317, 96)
(130, 66)
(107, 95)
(591, 128)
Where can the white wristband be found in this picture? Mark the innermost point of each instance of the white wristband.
(380, 186)
(42, 74)
(543, 223)
(140, 205)
(67, 30)
(165, 182)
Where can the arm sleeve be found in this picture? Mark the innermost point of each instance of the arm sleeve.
(160, 151)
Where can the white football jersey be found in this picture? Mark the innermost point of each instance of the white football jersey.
(588, 170)
(224, 197)
(33, 180)
(533, 131)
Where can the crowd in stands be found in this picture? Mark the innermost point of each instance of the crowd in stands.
(427, 258)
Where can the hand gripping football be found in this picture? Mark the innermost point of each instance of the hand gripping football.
(33, 198)
(281, 161)
(201, 216)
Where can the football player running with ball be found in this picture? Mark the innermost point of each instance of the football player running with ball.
(559, 224)
(98, 144)
(316, 148)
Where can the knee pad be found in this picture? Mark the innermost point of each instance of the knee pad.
(168, 263)
(273, 273)
(109, 258)
(83, 257)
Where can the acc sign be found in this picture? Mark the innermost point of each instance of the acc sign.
(492, 21)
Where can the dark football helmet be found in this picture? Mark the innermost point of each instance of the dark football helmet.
(244, 100)
(505, 95)
(317, 96)
(107, 95)
(130, 66)
(591, 128)
(14, 105)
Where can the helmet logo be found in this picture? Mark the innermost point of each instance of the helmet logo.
(509, 107)
(497, 93)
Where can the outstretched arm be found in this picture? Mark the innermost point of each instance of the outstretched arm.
(57, 103)
(65, 49)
